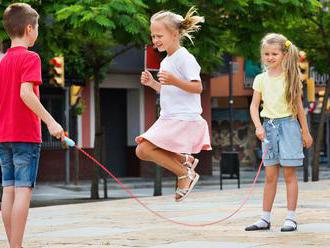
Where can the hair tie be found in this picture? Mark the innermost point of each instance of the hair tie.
(287, 44)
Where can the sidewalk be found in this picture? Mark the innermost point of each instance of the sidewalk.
(46, 194)
(123, 223)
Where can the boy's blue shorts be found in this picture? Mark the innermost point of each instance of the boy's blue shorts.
(19, 163)
(285, 142)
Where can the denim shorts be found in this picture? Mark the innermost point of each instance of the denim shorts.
(19, 163)
(285, 145)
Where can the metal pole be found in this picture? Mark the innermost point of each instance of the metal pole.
(327, 139)
(230, 102)
(76, 166)
(67, 127)
(158, 181)
(158, 168)
(306, 151)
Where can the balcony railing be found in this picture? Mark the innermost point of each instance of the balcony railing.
(248, 82)
(320, 79)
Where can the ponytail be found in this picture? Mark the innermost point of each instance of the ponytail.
(292, 75)
(185, 26)
(190, 23)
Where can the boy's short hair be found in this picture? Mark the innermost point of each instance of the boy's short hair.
(17, 17)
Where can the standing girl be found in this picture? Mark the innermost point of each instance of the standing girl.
(280, 89)
(180, 129)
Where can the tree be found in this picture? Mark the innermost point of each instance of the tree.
(312, 32)
(235, 26)
(88, 31)
(309, 29)
(100, 27)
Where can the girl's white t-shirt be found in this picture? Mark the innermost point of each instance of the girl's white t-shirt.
(176, 103)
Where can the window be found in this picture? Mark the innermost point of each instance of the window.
(53, 99)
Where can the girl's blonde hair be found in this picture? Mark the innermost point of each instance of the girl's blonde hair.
(290, 67)
(185, 26)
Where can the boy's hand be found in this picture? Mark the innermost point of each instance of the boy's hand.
(165, 77)
(307, 139)
(146, 78)
(56, 130)
(260, 133)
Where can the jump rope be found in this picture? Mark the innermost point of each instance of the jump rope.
(71, 143)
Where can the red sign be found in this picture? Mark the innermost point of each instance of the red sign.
(151, 58)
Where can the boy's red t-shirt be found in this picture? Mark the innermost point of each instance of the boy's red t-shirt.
(17, 122)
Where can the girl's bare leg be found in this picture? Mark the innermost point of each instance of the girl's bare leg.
(272, 173)
(181, 158)
(169, 160)
(291, 182)
(271, 176)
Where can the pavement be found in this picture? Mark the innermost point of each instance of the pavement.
(119, 222)
(46, 194)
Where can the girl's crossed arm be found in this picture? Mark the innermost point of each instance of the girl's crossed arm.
(193, 86)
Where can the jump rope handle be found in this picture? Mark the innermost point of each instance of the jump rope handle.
(68, 141)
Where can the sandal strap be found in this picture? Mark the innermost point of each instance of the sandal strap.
(181, 192)
(183, 177)
(293, 221)
(190, 174)
(265, 221)
(187, 162)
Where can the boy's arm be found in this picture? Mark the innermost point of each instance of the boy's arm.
(33, 103)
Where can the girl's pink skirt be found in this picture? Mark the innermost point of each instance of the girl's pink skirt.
(179, 136)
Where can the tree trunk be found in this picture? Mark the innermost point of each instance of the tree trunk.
(319, 137)
(98, 136)
(320, 132)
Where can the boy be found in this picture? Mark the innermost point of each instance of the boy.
(20, 114)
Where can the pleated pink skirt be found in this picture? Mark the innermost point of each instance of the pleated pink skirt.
(179, 136)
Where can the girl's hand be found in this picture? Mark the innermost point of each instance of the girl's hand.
(165, 77)
(307, 139)
(146, 78)
(260, 133)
